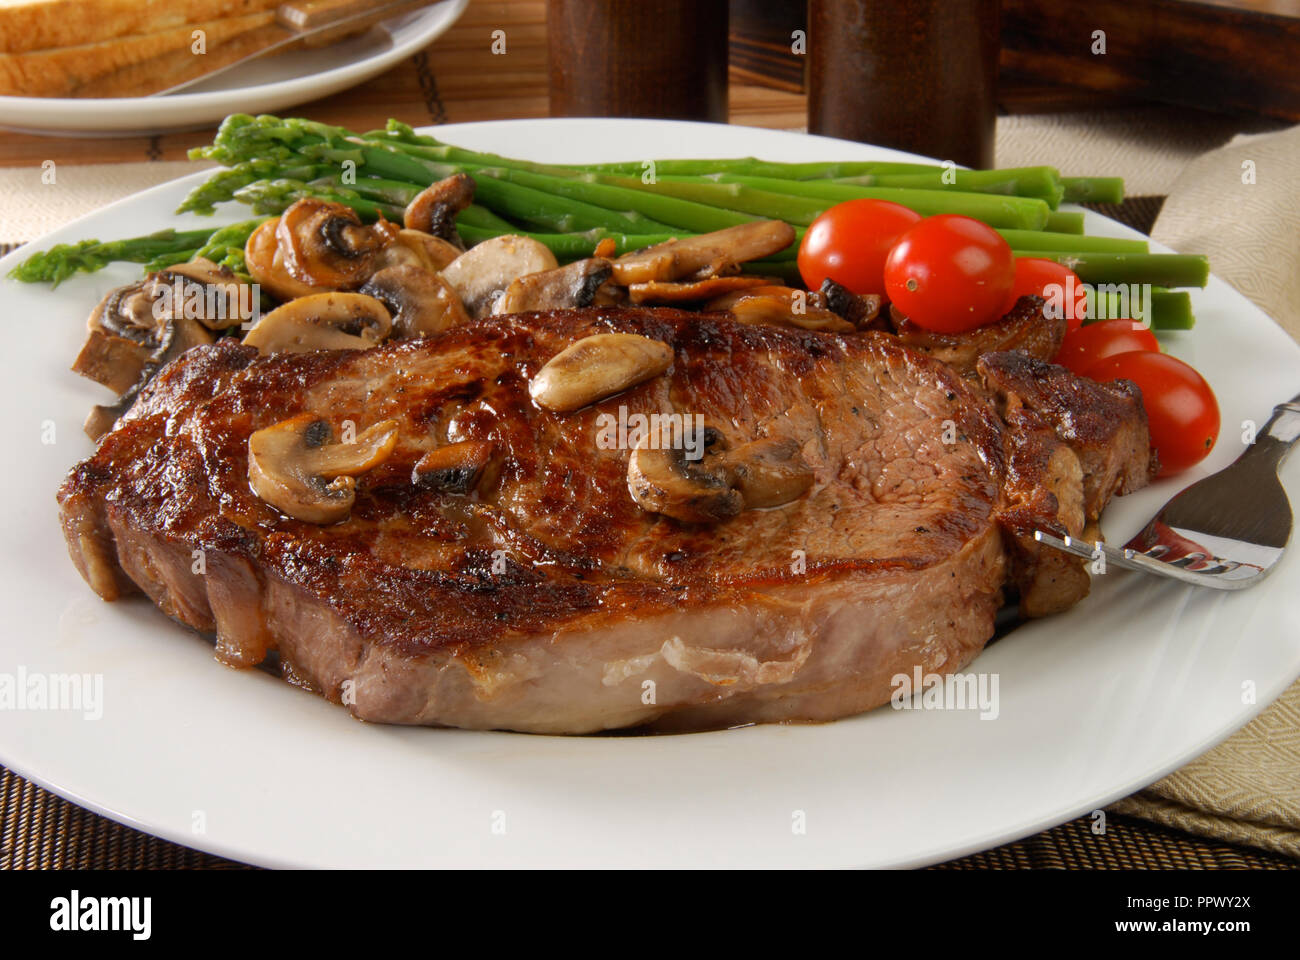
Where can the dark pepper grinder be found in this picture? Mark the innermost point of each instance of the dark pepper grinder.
(916, 75)
(638, 58)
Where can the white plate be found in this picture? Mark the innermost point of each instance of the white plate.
(1094, 704)
(263, 86)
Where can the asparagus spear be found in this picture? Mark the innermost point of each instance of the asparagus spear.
(1045, 240)
(1041, 182)
(750, 166)
(800, 201)
(1170, 309)
(1159, 269)
(1064, 221)
(60, 262)
(1093, 189)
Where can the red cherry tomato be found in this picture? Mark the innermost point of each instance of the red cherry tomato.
(950, 273)
(1084, 347)
(1059, 286)
(1182, 411)
(849, 244)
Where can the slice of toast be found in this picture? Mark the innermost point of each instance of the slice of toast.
(135, 65)
(29, 25)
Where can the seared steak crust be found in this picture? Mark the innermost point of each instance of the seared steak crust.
(547, 600)
(1103, 423)
(1026, 329)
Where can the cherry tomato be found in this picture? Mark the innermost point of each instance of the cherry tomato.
(950, 273)
(1181, 409)
(1059, 286)
(1084, 347)
(849, 243)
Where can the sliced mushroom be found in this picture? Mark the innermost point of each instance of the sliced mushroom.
(205, 291)
(435, 207)
(418, 249)
(659, 291)
(322, 321)
(597, 367)
(326, 245)
(295, 467)
(714, 253)
(782, 307)
(455, 468)
(563, 288)
(480, 274)
(122, 332)
(666, 481)
(421, 303)
(265, 262)
(768, 472)
(861, 310)
(175, 336)
(315, 246)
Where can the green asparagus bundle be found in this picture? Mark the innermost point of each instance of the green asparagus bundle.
(270, 162)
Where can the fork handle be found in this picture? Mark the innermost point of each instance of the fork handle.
(1278, 437)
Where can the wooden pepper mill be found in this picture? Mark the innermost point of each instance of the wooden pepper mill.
(638, 58)
(916, 75)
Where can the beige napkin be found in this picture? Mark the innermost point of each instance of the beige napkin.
(1240, 205)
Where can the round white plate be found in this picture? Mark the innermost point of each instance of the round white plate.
(262, 86)
(1138, 679)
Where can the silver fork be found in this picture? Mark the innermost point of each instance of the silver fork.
(1226, 531)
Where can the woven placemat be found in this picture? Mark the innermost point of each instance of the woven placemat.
(39, 830)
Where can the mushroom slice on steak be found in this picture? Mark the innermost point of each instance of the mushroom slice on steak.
(563, 288)
(767, 472)
(480, 274)
(782, 307)
(708, 254)
(658, 291)
(295, 467)
(596, 367)
(861, 310)
(455, 468)
(421, 302)
(322, 321)
(435, 207)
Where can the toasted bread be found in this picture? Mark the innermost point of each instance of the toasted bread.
(28, 25)
(136, 65)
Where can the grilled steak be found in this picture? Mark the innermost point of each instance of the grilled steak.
(546, 600)
(1025, 329)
